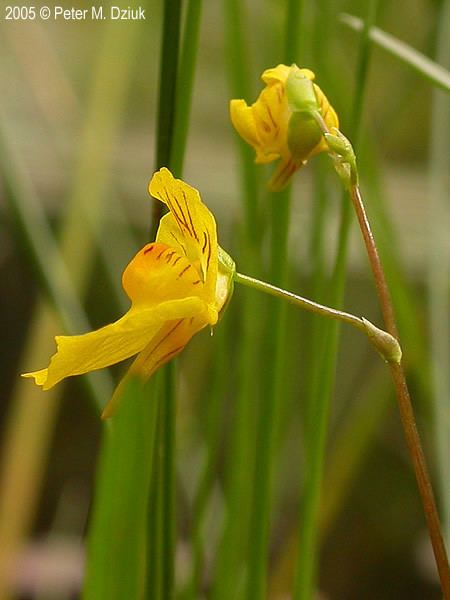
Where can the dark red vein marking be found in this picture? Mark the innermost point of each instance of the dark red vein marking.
(184, 271)
(190, 216)
(209, 250)
(173, 211)
(167, 356)
(169, 256)
(181, 220)
(163, 339)
(178, 242)
(149, 249)
(184, 222)
(288, 168)
(269, 112)
(279, 93)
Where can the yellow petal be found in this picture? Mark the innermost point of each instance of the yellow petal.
(271, 115)
(160, 272)
(169, 341)
(279, 73)
(115, 342)
(243, 121)
(191, 225)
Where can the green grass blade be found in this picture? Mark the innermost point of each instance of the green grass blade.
(233, 546)
(188, 60)
(168, 73)
(430, 70)
(167, 481)
(273, 400)
(173, 120)
(239, 70)
(116, 550)
(316, 437)
(213, 397)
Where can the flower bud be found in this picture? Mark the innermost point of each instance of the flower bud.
(280, 124)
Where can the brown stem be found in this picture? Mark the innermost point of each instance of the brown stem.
(404, 401)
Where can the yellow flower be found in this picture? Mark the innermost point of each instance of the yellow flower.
(268, 124)
(177, 286)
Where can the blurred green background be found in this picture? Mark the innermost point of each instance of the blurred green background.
(78, 122)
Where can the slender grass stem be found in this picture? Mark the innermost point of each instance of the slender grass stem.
(168, 74)
(435, 73)
(116, 565)
(168, 482)
(293, 27)
(316, 260)
(275, 396)
(271, 402)
(316, 440)
(228, 579)
(185, 83)
(173, 115)
(233, 545)
(239, 76)
(213, 439)
(154, 531)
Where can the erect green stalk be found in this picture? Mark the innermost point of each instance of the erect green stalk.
(164, 510)
(274, 396)
(167, 482)
(233, 544)
(188, 57)
(168, 72)
(306, 566)
(385, 343)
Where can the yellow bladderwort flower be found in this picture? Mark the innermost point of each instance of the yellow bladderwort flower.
(280, 125)
(177, 286)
